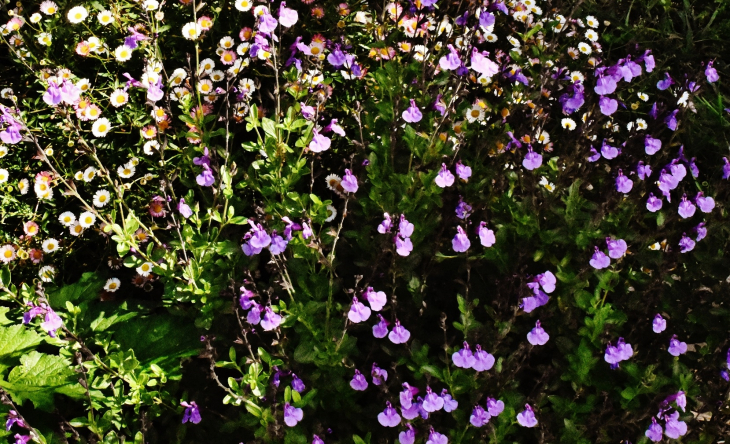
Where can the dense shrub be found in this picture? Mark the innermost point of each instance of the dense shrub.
(335, 222)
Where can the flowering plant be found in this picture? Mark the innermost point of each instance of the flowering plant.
(418, 221)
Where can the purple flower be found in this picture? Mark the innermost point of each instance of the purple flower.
(437, 438)
(377, 300)
(412, 114)
(292, 415)
(450, 404)
(380, 330)
(652, 145)
(674, 428)
(306, 231)
(70, 93)
(254, 316)
(317, 440)
(278, 244)
(725, 375)
(654, 432)
(267, 23)
(643, 171)
(494, 406)
(184, 209)
(711, 72)
(205, 179)
(287, 17)
(463, 209)
(671, 120)
(414, 410)
(726, 168)
(464, 358)
(319, 143)
(686, 244)
(654, 111)
(403, 246)
(22, 439)
(432, 402)
(245, 299)
(665, 83)
(405, 228)
(659, 324)
(686, 208)
(676, 347)
(460, 242)
(608, 105)
(389, 417)
(406, 396)
(486, 236)
(463, 171)
(52, 96)
(532, 302)
(444, 178)
(706, 204)
(616, 248)
(51, 323)
(537, 336)
(532, 160)
(450, 61)
(605, 85)
(620, 352)
(623, 183)
(155, 92)
(386, 225)
(13, 418)
(407, 436)
(399, 335)
(358, 382)
(204, 159)
(358, 311)
(349, 182)
(296, 384)
(609, 152)
(527, 417)
(308, 111)
(483, 360)
(479, 417)
(271, 320)
(595, 155)
(701, 231)
(681, 400)
(335, 128)
(192, 413)
(599, 260)
(259, 238)
(481, 64)
(572, 103)
(653, 204)
(486, 20)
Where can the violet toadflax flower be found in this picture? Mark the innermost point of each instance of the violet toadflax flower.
(192, 413)
(686, 244)
(399, 335)
(358, 381)
(389, 417)
(538, 336)
(271, 320)
(599, 260)
(676, 347)
(412, 114)
(495, 406)
(432, 402)
(608, 105)
(652, 145)
(463, 171)
(616, 248)
(486, 236)
(654, 432)
(527, 417)
(450, 61)
(297, 384)
(653, 204)
(659, 324)
(287, 17)
(460, 242)
(292, 415)
(463, 358)
(358, 311)
(479, 417)
(674, 428)
(407, 436)
(623, 183)
(349, 182)
(450, 404)
(532, 160)
(436, 438)
(711, 72)
(686, 208)
(380, 330)
(706, 204)
(319, 143)
(444, 178)
(483, 360)
(376, 299)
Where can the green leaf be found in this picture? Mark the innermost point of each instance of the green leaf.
(16, 339)
(39, 377)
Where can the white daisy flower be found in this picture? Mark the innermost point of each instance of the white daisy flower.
(577, 77)
(123, 53)
(105, 17)
(75, 229)
(205, 86)
(333, 182)
(332, 213)
(217, 75)
(244, 5)
(112, 285)
(206, 66)
(641, 124)
(585, 48)
(4, 175)
(45, 39)
(49, 8)
(23, 186)
(7, 253)
(151, 147)
(67, 218)
(83, 85)
(89, 174)
(568, 124)
(79, 175)
(151, 5)
(126, 171)
(47, 273)
(87, 219)
(643, 96)
(226, 42)
(491, 38)
(192, 31)
(119, 97)
(101, 198)
(49, 245)
(592, 21)
(101, 127)
(591, 35)
(145, 269)
(77, 14)
(547, 184)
